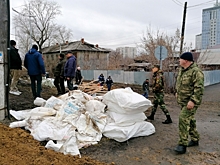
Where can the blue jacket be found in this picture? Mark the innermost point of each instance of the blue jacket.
(70, 67)
(34, 63)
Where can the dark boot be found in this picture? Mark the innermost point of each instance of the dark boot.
(168, 120)
(180, 149)
(151, 117)
(193, 143)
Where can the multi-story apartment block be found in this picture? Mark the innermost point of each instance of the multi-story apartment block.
(211, 26)
(130, 52)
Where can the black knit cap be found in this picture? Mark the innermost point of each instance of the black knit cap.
(156, 66)
(12, 43)
(187, 56)
(35, 47)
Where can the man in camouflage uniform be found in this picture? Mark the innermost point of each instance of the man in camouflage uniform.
(158, 90)
(190, 87)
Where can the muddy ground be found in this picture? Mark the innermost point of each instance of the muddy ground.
(18, 147)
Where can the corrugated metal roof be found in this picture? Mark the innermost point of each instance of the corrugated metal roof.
(209, 58)
(74, 46)
(140, 64)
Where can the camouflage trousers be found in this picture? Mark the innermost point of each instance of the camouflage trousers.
(187, 126)
(158, 100)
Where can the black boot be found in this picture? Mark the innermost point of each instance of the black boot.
(180, 149)
(151, 117)
(193, 143)
(168, 120)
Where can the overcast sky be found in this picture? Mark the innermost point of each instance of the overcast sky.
(120, 23)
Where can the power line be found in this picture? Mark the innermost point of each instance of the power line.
(201, 4)
(178, 3)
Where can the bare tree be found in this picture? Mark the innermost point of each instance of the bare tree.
(115, 60)
(37, 22)
(153, 38)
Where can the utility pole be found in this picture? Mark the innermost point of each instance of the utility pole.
(183, 28)
(4, 57)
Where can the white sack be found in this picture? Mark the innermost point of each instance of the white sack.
(50, 129)
(53, 101)
(123, 133)
(51, 145)
(39, 102)
(47, 82)
(41, 112)
(126, 118)
(95, 106)
(20, 115)
(18, 124)
(126, 101)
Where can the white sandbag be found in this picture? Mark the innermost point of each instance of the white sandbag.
(53, 101)
(50, 129)
(95, 106)
(39, 102)
(40, 112)
(126, 118)
(123, 133)
(47, 82)
(68, 108)
(126, 101)
(20, 115)
(51, 145)
(79, 95)
(99, 120)
(18, 124)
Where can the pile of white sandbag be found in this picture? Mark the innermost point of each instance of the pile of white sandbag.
(77, 120)
(126, 115)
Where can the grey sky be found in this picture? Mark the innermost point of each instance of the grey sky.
(122, 23)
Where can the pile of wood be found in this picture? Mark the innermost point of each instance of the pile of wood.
(92, 87)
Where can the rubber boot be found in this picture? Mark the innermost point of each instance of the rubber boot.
(151, 117)
(168, 120)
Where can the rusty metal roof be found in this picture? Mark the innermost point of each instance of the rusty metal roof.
(74, 46)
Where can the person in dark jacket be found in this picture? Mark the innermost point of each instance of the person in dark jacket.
(15, 68)
(59, 75)
(70, 69)
(78, 76)
(109, 83)
(34, 63)
(145, 88)
(101, 79)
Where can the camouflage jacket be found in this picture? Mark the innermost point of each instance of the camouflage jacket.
(158, 82)
(190, 85)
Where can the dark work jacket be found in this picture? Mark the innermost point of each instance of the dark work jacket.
(78, 74)
(109, 81)
(145, 86)
(15, 59)
(59, 70)
(70, 67)
(34, 63)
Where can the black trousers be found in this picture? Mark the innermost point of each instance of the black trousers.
(34, 78)
(59, 84)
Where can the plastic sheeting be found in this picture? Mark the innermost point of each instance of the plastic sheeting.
(76, 119)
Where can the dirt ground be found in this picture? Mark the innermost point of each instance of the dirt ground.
(18, 147)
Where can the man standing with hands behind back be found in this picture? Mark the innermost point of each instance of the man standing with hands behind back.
(34, 63)
(190, 87)
(70, 69)
(15, 68)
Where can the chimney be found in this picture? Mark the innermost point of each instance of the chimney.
(97, 45)
(82, 40)
(67, 42)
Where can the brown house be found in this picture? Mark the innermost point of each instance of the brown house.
(88, 56)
